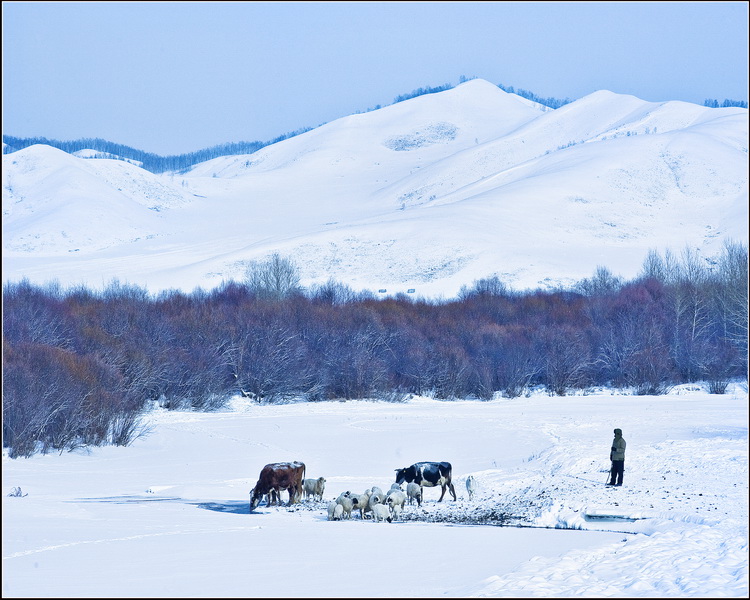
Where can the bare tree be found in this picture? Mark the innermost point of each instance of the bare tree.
(564, 358)
(603, 282)
(333, 292)
(653, 267)
(691, 314)
(268, 362)
(487, 286)
(275, 278)
(732, 294)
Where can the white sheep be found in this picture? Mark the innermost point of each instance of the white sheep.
(314, 488)
(332, 509)
(397, 512)
(413, 491)
(363, 503)
(471, 486)
(376, 490)
(396, 486)
(376, 498)
(349, 503)
(396, 499)
(338, 512)
(380, 512)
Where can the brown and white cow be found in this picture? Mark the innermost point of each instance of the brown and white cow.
(275, 477)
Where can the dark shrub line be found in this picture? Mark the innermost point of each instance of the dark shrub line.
(80, 366)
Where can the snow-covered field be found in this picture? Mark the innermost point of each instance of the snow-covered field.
(169, 516)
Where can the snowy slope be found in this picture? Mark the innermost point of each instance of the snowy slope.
(398, 137)
(430, 194)
(55, 203)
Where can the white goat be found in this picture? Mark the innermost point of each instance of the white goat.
(471, 486)
(314, 488)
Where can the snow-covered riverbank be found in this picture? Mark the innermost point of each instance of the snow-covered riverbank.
(169, 515)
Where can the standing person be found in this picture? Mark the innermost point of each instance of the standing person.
(617, 456)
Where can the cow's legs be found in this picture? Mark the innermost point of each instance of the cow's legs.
(443, 493)
(295, 492)
(453, 490)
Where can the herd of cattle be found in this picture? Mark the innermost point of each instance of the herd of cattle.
(290, 476)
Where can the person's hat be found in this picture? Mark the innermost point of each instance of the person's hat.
(618, 431)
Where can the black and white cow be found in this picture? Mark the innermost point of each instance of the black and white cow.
(428, 474)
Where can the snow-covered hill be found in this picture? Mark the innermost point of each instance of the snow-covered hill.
(55, 203)
(426, 194)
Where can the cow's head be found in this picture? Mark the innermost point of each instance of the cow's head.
(255, 498)
(401, 475)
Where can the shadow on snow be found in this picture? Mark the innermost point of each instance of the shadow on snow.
(237, 507)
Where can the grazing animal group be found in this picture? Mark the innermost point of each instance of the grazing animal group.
(373, 503)
(290, 476)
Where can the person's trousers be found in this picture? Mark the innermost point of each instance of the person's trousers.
(618, 468)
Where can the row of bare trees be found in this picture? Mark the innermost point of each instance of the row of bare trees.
(80, 366)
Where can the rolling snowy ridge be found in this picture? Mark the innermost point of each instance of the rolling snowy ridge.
(426, 194)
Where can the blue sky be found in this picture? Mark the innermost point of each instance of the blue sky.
(173, 77)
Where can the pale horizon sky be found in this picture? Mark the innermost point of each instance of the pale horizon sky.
(175, 77)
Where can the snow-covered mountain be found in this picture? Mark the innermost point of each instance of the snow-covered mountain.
(426, 194)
